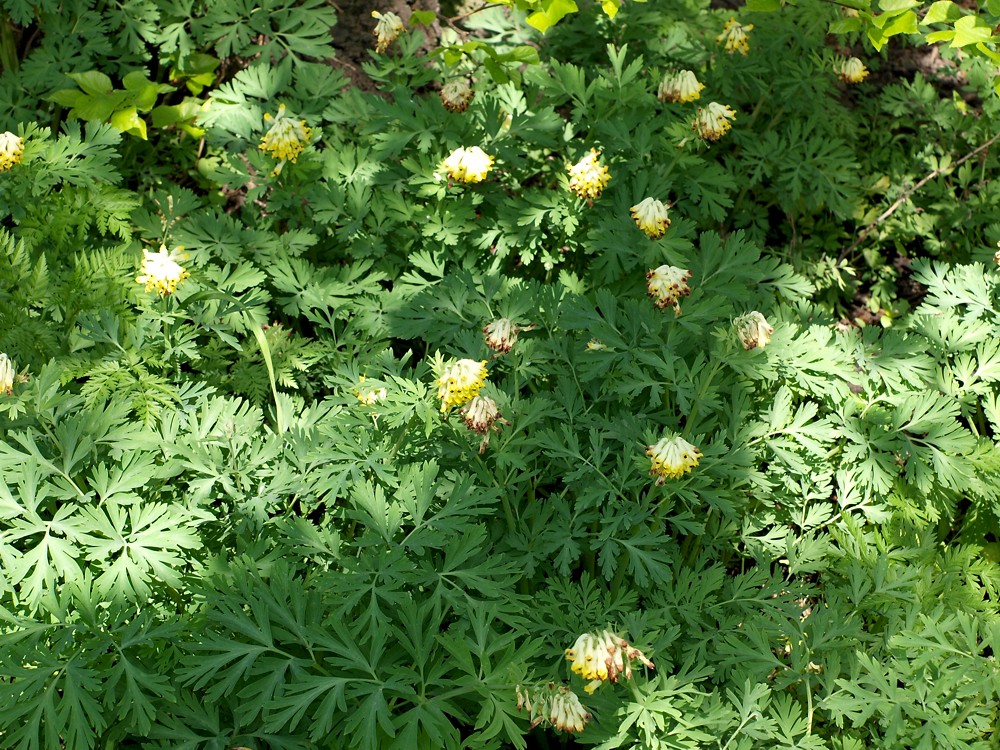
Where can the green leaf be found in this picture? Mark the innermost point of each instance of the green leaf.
(128, 121)
(846, 26)
(971, 30)
(422, 17)
(610, 7)
(942, 10)
(93, 82)
(763, 6)
(551, 13)
(895, 6)
(904, 24)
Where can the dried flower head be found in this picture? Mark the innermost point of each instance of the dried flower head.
(672, 457)
(481, 415)
(753, 330)
(554, 704)
(160, 272)
(681, 86)
(456, 94)
(369, 396)
(666, 285)
(387, 30)
(501, 334)
(651, 217)
(603, 657)
(11, 150)
(851, 70)
(6, 375)
(734, 36)
(460, 382)
(588, 177)
(713, 121)
(285, 139)
(468, 164)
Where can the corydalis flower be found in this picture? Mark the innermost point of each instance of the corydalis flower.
(456, 94)
(713, 121)
(734, 36)
(481, 415)
(666, 285)
(285, 139)
(556, 705)
(501, 334)
(6, 375)
(851, 70)
(387, 30)
(603, 657)
(680, 87)
(160, 272)
(369, 396)
(11, 150)
(672, 457)
(651, 217)
(753, 330)
(468, 164)
(588, 177)
(460, 382)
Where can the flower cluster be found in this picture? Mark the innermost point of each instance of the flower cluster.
(672, 457)
(11, 150)
(387, 30)
(603, 657)
(456, 94)
(666, 285)
(501, 334)
(6, 374)
(468, 164)
(734, 37)
(556, 705)
(369, 396)
(753, 330)
(851, 70)
(651, 217)
(481, 415)
(285, 139)
(460, 382)
(588, 177)
(713, 121)
(160, 272)
(681, 86)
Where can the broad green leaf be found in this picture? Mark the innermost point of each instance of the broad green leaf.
(895, 6)
(904, 24)
(422, 17)
(551, 12)
(128, 121)
(99, 108)
(942, 10)
(764, 6)
(846, 26)
(971, 30)
(610, 7)
(93, 82)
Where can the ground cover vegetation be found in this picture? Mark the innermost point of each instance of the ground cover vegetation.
(553, 375)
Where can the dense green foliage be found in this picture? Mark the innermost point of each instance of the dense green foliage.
(233, 512)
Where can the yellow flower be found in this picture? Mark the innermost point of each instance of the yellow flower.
(713, 121)
(387, 30)
(602, 657)
(456, 94)
(588, 177)
(681, 87)
(734, 36)
(753, 330)
(673, 457)
(285, 139)
(666, 285)
(460, 382)
(370, 396)
(6, 374)
(557, 705)
(11, 150)
(651, 217)
(468, 164)
(996, 255)
(160, 272)
(851, 70)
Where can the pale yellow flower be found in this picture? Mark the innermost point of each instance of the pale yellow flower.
(481, 415)
(734, 36)
(851, 70)
(666, 285)
(672, 457)
(501, 334)
(603, 657)
(11, 150)
(651, 217)
(460, 382)
(713, 121)
(285, 139)
(588, 177)
(369, 396)
(387, 30)
(554, 704)
(456, 94)
(160, 272)
(681, 86)
(468, 164)
(6, 374)
(753, 330)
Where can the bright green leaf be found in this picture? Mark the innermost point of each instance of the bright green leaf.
(128, 121)
(971, 30)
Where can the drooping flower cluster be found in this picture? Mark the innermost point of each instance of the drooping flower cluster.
(713, 121)
(387, 30)
(6, 374)
(672, 457)
(753, 330)
(666, 285)
(651, 217)
(603, 657)
(369, 396)
(851, 70)
(680, 86)
(481, 415)
(160, 272)
(501, 334)
(11, 150)
(734, 37)
(456, 94)
(285, 139)
(552, 704)
(588, 177)
(460, 382)
(468, 164)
